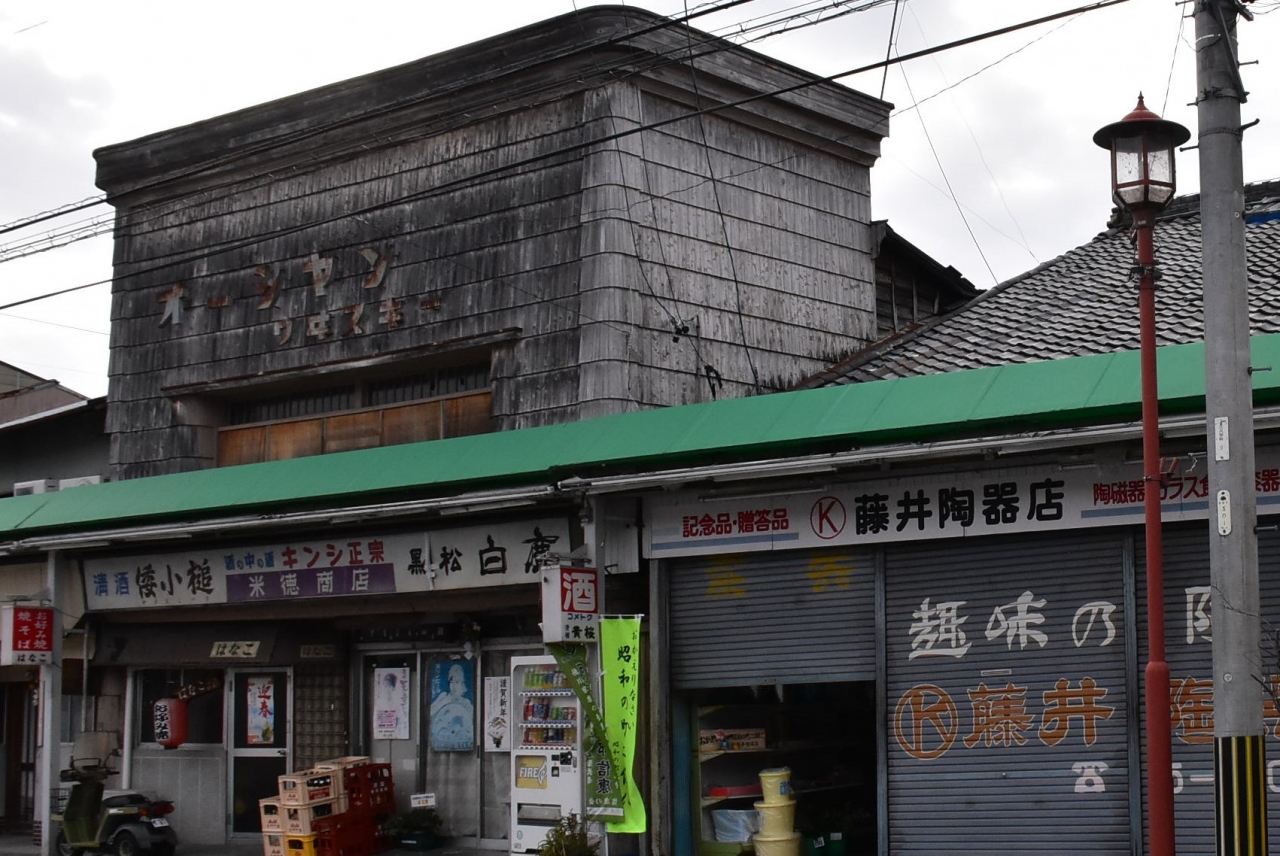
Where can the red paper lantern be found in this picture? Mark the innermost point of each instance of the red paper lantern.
(169, 715)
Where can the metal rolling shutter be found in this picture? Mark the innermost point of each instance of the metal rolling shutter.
(988, 746)
(1189, 651)
(787, 617)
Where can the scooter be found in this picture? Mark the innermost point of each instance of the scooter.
(96, 820)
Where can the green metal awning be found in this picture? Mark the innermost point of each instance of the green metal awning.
(1082, 390)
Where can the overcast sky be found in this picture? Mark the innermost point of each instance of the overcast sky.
(1009, 146)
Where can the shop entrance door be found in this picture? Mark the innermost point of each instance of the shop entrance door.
(260, 717)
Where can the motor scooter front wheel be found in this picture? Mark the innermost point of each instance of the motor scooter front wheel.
(63, 846)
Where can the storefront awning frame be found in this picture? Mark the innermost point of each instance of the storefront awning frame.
(1031, 405)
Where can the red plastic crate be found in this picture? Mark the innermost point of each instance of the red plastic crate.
(347, 838)
(372, 776)
(370, 789)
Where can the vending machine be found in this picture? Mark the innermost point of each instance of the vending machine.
(546, 751)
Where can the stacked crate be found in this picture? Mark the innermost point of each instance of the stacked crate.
(336, 808)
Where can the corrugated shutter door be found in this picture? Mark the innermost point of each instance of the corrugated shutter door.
(1006, 696)
(787, 617)
(1189, 650)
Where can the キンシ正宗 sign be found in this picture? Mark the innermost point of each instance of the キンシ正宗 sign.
(350, 566)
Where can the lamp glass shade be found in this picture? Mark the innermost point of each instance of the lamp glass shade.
(1142, 169)
(1160, 172)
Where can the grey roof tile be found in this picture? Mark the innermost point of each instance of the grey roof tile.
(1083, 302)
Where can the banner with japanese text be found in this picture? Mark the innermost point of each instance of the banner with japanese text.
(620, 691)
(354, 565)
(603, 794)
(1001, 501)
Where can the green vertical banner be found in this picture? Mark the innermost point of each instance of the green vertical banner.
(603, 795)
(620, 683)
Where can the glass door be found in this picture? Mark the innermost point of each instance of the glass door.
(260, 721)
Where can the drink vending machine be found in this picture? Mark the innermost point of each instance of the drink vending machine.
(546, 752)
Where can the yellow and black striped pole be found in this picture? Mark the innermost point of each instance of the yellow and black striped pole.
(1240, 776)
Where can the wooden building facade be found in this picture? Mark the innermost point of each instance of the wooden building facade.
(566, 221)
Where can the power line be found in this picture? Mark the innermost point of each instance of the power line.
(55, 324)
(53, 213)
(950, 191)
(576, 147)
(243, 152)
(238, 186)
(969, 127)
(888, 50)
(724, 228)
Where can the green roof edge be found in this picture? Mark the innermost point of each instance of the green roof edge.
(1059, 393)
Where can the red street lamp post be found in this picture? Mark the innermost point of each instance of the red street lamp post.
(1142, 181)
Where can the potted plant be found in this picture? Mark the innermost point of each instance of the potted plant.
(569, 837)
(418, 830)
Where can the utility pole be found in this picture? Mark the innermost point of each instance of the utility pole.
(1239, 762)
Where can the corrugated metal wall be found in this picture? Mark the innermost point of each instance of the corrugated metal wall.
(1006, 696)
(786, 618)
(1189, 650)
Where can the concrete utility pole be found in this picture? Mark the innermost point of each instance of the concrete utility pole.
(1239, 762)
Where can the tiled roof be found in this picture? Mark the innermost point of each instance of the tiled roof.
(1083, 302)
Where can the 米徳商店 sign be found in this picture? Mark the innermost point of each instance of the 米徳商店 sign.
(26, 635)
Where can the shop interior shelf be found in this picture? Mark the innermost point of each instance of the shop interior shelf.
(707, 756)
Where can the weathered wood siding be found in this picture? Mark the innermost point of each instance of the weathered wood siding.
(718, 256)
(463, 263)
(767, 266)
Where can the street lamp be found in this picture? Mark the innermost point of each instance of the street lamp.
(1142, 181)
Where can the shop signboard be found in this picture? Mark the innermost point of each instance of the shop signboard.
(26, 635)
(502, 554)
(948, 505)
(348, 566)
(570, 604)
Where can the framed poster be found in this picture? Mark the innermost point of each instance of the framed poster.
(260, 696)
(497, 714)
(391, 703)
(453, 706)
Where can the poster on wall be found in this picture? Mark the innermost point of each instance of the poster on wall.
(391, 703)
(497, 714)
(453, 706)
(260, 696)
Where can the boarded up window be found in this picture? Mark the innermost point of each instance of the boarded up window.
(412, 423)
(294, 440)
(353, 431)
(242, 446)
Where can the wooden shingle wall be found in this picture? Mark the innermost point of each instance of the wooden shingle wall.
(597, 277)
